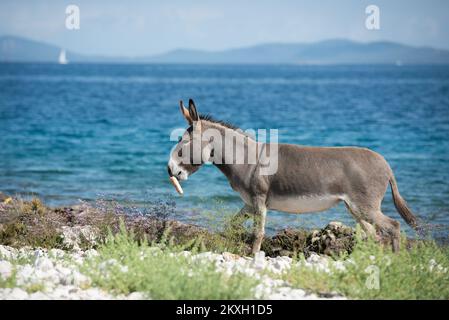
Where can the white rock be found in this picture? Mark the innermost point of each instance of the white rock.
(261, 291)
(24, 273)
(227, 256)
(72, 236)
(39, 253)
(286, 293)
(91, 253)
(259, 260)
(7, 252)
(44, 264)
(63, 272)
(56, 253)
(62, 292)
(280, 265)
(17, 294)
(124, 269)
(136, 296)
(339, 265)
(6, 269)
(185, 253)
(95, 294)
(314, 258)
(80, 279)
(38, 296)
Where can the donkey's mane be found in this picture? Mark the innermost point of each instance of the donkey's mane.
(208, 117)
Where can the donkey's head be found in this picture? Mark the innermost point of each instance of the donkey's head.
(191, 151)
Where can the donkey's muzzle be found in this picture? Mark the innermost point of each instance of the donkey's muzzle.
(174, 181)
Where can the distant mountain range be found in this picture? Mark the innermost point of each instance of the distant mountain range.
(338, 51)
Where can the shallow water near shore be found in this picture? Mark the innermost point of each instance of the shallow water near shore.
(103, 131)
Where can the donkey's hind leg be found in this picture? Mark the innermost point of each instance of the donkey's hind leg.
(389, 227)
(372, 218)
(369, 229)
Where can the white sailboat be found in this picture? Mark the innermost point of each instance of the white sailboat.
(62, 57)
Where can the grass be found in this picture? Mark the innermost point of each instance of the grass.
(124, 265)
(374, 272)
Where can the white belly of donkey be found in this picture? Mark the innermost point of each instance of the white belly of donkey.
(302, 204)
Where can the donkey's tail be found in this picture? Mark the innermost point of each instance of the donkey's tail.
(401, 205)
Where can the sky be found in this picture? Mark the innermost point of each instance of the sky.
(137, 28)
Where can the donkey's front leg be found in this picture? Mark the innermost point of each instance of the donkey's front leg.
(241, 217)
(260, 214)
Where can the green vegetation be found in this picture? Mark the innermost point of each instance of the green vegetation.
(125, 266)
(18, 224)
(147, 256)
(374, 272)
(31, 223)
(10, 282)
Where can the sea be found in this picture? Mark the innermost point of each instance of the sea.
(79, 133)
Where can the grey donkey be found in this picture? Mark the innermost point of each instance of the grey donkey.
(307, 179)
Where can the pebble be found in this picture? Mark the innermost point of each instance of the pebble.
(7, 252)
(5, 269)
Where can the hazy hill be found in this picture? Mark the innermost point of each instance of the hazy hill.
(339, 51)
(324, 52)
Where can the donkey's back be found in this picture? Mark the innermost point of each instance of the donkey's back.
(328, 171)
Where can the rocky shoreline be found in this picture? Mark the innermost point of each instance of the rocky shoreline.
(44, 253)
(43, 249)
(56, 274)
(31, 223)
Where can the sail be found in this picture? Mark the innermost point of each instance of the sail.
(62, 57)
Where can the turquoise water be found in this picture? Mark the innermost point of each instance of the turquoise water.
(102, 131)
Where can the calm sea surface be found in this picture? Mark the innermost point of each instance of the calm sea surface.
(93, 132)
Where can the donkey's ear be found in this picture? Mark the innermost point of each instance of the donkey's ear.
(185, 112)
(194, 115)
(192, 111)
